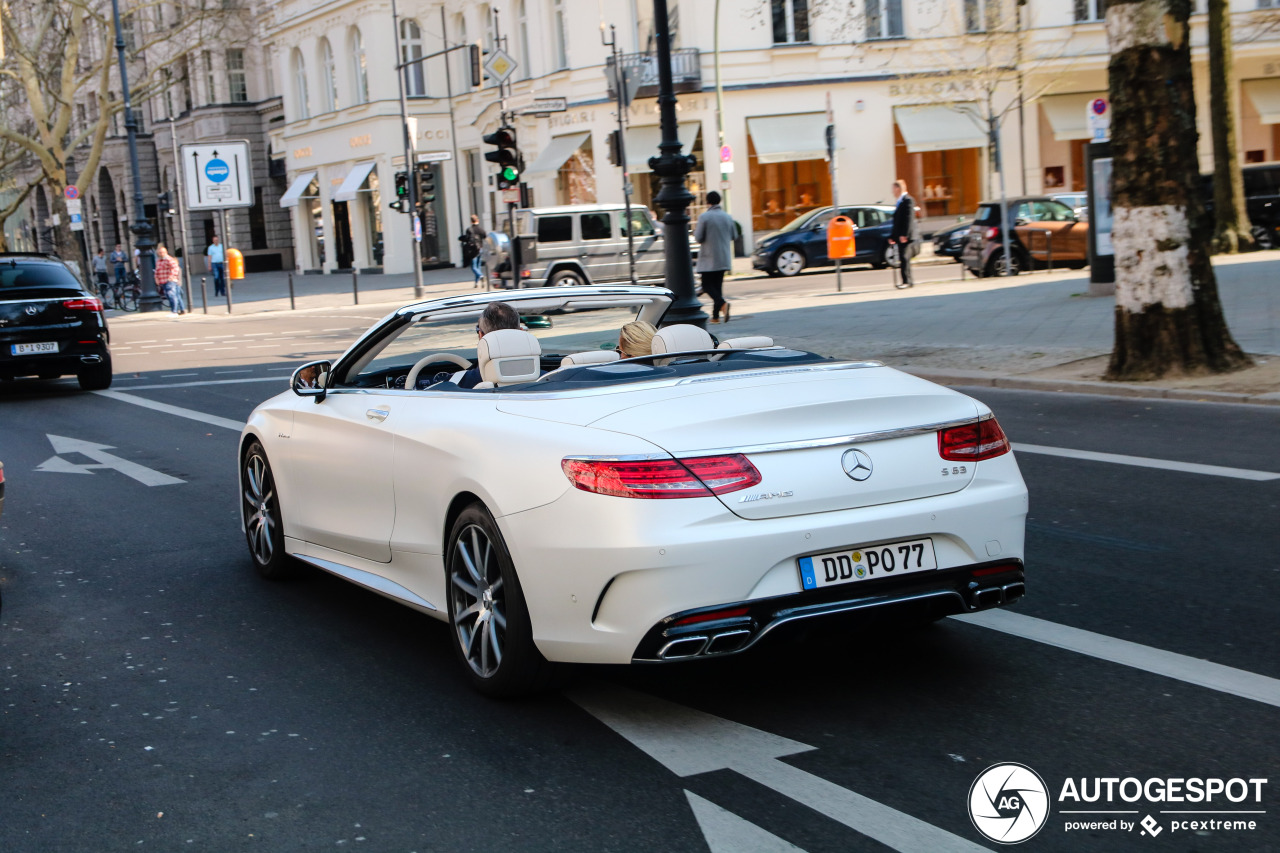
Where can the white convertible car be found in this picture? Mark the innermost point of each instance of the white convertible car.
(579, 507)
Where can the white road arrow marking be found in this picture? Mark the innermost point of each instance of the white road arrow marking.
(727, 833)
(62, 444)
(688, 742)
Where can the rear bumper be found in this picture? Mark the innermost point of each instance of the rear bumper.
(963, 590)
(70, 360)
(600, 574)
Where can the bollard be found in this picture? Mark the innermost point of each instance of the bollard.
(228, 292)
(292, 307)
(204, 295)
(355, 285)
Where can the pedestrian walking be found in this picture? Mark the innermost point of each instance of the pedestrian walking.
(100, 271)
(169, 279)
(118, 260)
(715, 253)
(472, 242)
(905, 234)
(218, 266)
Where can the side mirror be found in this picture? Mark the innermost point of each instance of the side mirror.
(310, 379)
(1021, 220)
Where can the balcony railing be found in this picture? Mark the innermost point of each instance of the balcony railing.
(686, 72)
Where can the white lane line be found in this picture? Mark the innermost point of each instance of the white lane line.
(1224, 679)
(217, 337)
(192, 414)
(232, 371)
(1147, 462)
(181, 339)
(262, 346)
(176, 375)
(290, 369)
(203, 382)
(219, 349)
(157, 346)
(688, 742)
(257, 334)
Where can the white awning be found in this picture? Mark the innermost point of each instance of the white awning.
(782, 139)
(354, 180)
(1068, 115)
(938, 127)
(642, 143)
(1265, 95)
(296, 189)
(560, 148)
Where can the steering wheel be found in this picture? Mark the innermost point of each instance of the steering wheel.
(411, 381)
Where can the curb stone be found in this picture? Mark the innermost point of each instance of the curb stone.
(1078, 386)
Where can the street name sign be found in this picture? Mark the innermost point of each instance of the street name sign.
(217, 175)
(541, 106)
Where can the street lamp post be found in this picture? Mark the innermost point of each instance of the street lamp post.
(149, 300)
(674, 197)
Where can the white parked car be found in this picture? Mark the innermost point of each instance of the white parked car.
(586, 508)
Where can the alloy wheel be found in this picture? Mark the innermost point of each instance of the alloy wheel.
(790, 262)
(259, 508)
(478, 601)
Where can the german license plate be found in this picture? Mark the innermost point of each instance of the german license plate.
(32, 349)
(863, 564)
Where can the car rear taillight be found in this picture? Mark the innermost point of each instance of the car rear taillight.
(992, 233)
(701, 477)
(973, 442)
(711, 616)
(92, 303)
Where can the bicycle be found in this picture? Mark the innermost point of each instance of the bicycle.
(122, 296)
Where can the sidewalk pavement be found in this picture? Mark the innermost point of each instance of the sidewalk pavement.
(1038, 330)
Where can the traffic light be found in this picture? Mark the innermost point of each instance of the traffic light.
(474, 55)
(615, 157)
(164, 204)
(425, 175)
(401, 204)
(505, 155)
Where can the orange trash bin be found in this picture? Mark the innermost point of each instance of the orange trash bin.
(840, 239)
(235, 264)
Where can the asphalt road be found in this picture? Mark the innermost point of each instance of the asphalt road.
(157, 695)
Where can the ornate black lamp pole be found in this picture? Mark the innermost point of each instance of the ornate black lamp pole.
(674, 197)
(141, 228)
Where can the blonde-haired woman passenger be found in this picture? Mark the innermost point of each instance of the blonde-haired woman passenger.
(636, 339)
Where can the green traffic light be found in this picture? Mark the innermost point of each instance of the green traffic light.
(509, 173)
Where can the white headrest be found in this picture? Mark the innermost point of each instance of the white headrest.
(681, 338)
(509, 356)
(595, 356)
(752, 342)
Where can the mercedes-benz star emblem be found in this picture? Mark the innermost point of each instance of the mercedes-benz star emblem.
(31, 309)
(857, 465)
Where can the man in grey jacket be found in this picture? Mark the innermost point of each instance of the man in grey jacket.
(714, 234)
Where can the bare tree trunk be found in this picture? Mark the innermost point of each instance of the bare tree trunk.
(1168, 318)
(1231, 220)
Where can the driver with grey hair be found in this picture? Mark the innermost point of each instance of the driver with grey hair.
(497, 315)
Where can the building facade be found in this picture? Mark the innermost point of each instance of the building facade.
(915, 88)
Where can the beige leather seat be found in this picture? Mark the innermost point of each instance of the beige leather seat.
(508, 357)
(680, 338)
(595, 356)
(752, 342)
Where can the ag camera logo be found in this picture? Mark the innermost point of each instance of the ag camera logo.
(1008, 803)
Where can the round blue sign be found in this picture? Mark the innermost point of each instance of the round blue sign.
(217, 170)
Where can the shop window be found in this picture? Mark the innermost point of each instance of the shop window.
(944, 183)
(1255, 156)
(596, 226)
(555, 229)
(1053, 177)
(576, 180)
(780, 192)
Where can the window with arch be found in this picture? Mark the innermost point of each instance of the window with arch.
(328, 77)
(415, 85)
(300, 91)
(359, 68)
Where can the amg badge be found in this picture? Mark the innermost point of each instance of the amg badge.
(764, 496)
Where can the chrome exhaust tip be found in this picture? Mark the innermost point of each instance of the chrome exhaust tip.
(684, 647)
(1014, 591)
(91, 359)
(991, 597)
(729, 641)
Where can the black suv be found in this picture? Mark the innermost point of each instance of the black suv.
(50, 324)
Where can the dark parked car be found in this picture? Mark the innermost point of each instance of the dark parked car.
(51, 325)
(1040, 226)
(802, 242)
(1261, 199)
(950, 243)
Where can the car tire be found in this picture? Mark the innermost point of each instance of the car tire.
(790, 261)
(884, 261)
(566, 278)
(996, 263)
(263, 526)
(1263, 237)
(489, 623)
(96, 377)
